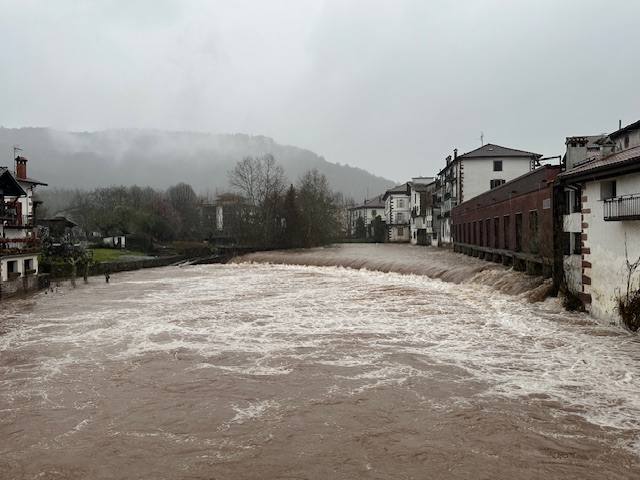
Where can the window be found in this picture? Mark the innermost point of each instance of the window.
(12, 266)
(496, 183)
(374, 213)
(481, 234)
(487, 225)
(28, 264)
(496, 232)
(506, 224)
(401, 231)
(577, 201)
(533, 231)
(626, 141)
(577, 243)
(399, 218)
(518, 232)
(607, 189)
(566, 243)
(401, 203)
(573, 201)
(497, 165)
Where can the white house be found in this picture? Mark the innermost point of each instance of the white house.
(19, 245)
(397, 213)
(602, 223)
(421, 206)
(468, 175)
(368, 211)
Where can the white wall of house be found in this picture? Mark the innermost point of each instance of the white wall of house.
(606, 243)
(397, 214)
(119, 241)
(397, 209)
(368, 214)
(478, 173)
(399, 233)
(20, 262)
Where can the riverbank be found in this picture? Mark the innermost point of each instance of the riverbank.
(407, 259)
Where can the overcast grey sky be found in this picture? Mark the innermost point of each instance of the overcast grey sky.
(390, 86)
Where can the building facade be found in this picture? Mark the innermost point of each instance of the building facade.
(475, 172)
(421, 191)
(397, 213)
(513, 223)
(367, 211)
(19, 243)
(601, 224)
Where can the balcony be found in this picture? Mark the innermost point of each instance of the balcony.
(9, 218)
(13, 246)
(625, 207)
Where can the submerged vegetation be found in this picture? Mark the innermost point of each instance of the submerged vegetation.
(629, 302)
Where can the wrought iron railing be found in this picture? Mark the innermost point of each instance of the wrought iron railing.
(625, 207)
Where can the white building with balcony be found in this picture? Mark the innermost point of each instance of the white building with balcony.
(19, 245)
(602, 226)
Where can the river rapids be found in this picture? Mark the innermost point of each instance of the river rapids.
(262, 371)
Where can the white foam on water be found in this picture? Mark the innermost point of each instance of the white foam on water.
(267, 319)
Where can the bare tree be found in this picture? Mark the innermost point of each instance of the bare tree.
(258, 179)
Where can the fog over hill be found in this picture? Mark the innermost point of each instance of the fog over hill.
(160, 158)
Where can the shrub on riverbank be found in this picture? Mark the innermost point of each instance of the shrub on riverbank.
(629, 310)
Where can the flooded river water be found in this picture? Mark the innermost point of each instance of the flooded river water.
(304, 372)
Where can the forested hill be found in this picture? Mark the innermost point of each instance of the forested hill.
(160, 158)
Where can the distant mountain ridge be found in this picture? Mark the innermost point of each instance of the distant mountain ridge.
(161, 158)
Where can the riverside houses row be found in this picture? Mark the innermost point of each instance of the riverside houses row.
(19, 243)
(577, 221)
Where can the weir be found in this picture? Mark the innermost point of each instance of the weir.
(432, 262)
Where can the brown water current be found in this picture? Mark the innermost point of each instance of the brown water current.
(258, 371)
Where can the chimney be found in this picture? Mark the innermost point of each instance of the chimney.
(21, 167)
(455, 153)
(619, 124)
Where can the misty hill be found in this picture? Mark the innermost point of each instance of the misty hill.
(160, 159)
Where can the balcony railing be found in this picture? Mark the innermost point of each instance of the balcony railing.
(625, 207)
(10, 246)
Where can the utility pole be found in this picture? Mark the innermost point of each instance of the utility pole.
(482, 139)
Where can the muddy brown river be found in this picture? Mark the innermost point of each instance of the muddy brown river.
(256, 371)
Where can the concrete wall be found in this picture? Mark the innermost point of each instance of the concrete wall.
(20, 285)
(604, 270)
(478, 173)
